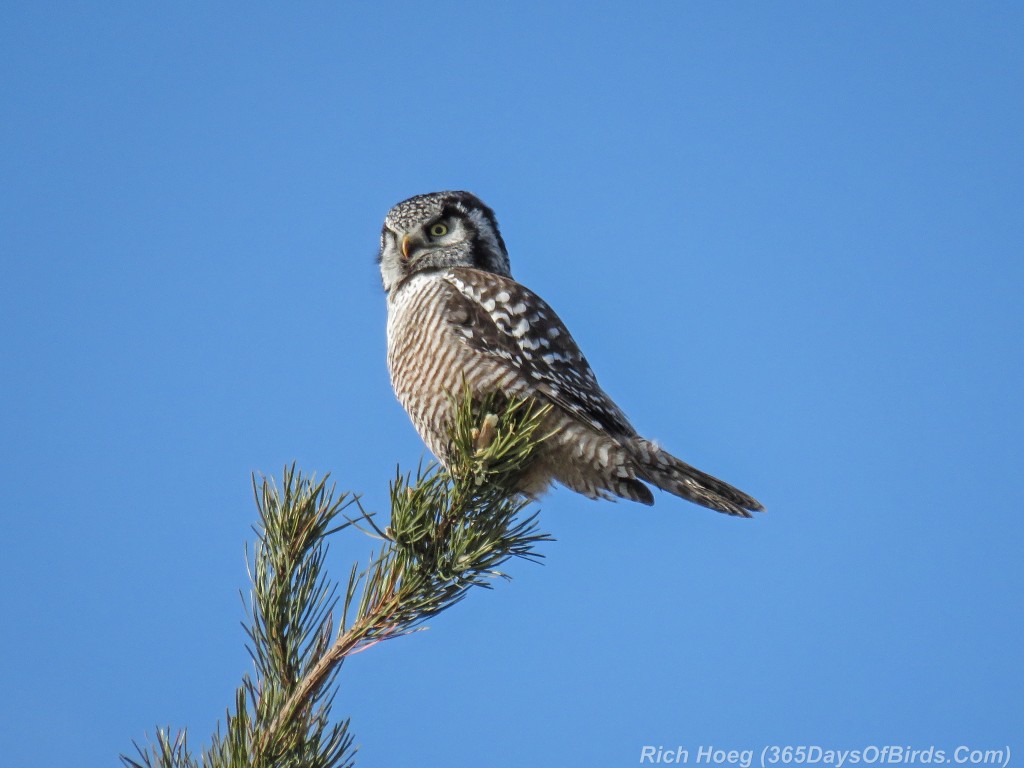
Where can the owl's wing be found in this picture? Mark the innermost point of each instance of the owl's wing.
(507, 322)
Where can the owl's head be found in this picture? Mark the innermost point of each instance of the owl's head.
(442, 229)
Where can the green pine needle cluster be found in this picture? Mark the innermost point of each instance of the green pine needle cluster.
(450, 530)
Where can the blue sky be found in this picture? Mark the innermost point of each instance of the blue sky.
(787, 236)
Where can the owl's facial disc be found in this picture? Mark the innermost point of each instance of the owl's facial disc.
(440, 242)
(439, 230)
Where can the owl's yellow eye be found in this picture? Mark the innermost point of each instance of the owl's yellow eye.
(438, 230)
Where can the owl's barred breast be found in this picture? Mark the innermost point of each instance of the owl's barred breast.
(429, 361)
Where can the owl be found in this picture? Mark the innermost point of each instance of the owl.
(455, 315)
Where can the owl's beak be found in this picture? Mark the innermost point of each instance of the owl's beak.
(411, 244)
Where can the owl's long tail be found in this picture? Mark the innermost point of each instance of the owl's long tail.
(664, 470)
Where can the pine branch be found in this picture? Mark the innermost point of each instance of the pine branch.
(449, 531)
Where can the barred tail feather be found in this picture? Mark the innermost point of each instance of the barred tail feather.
(664, 470)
